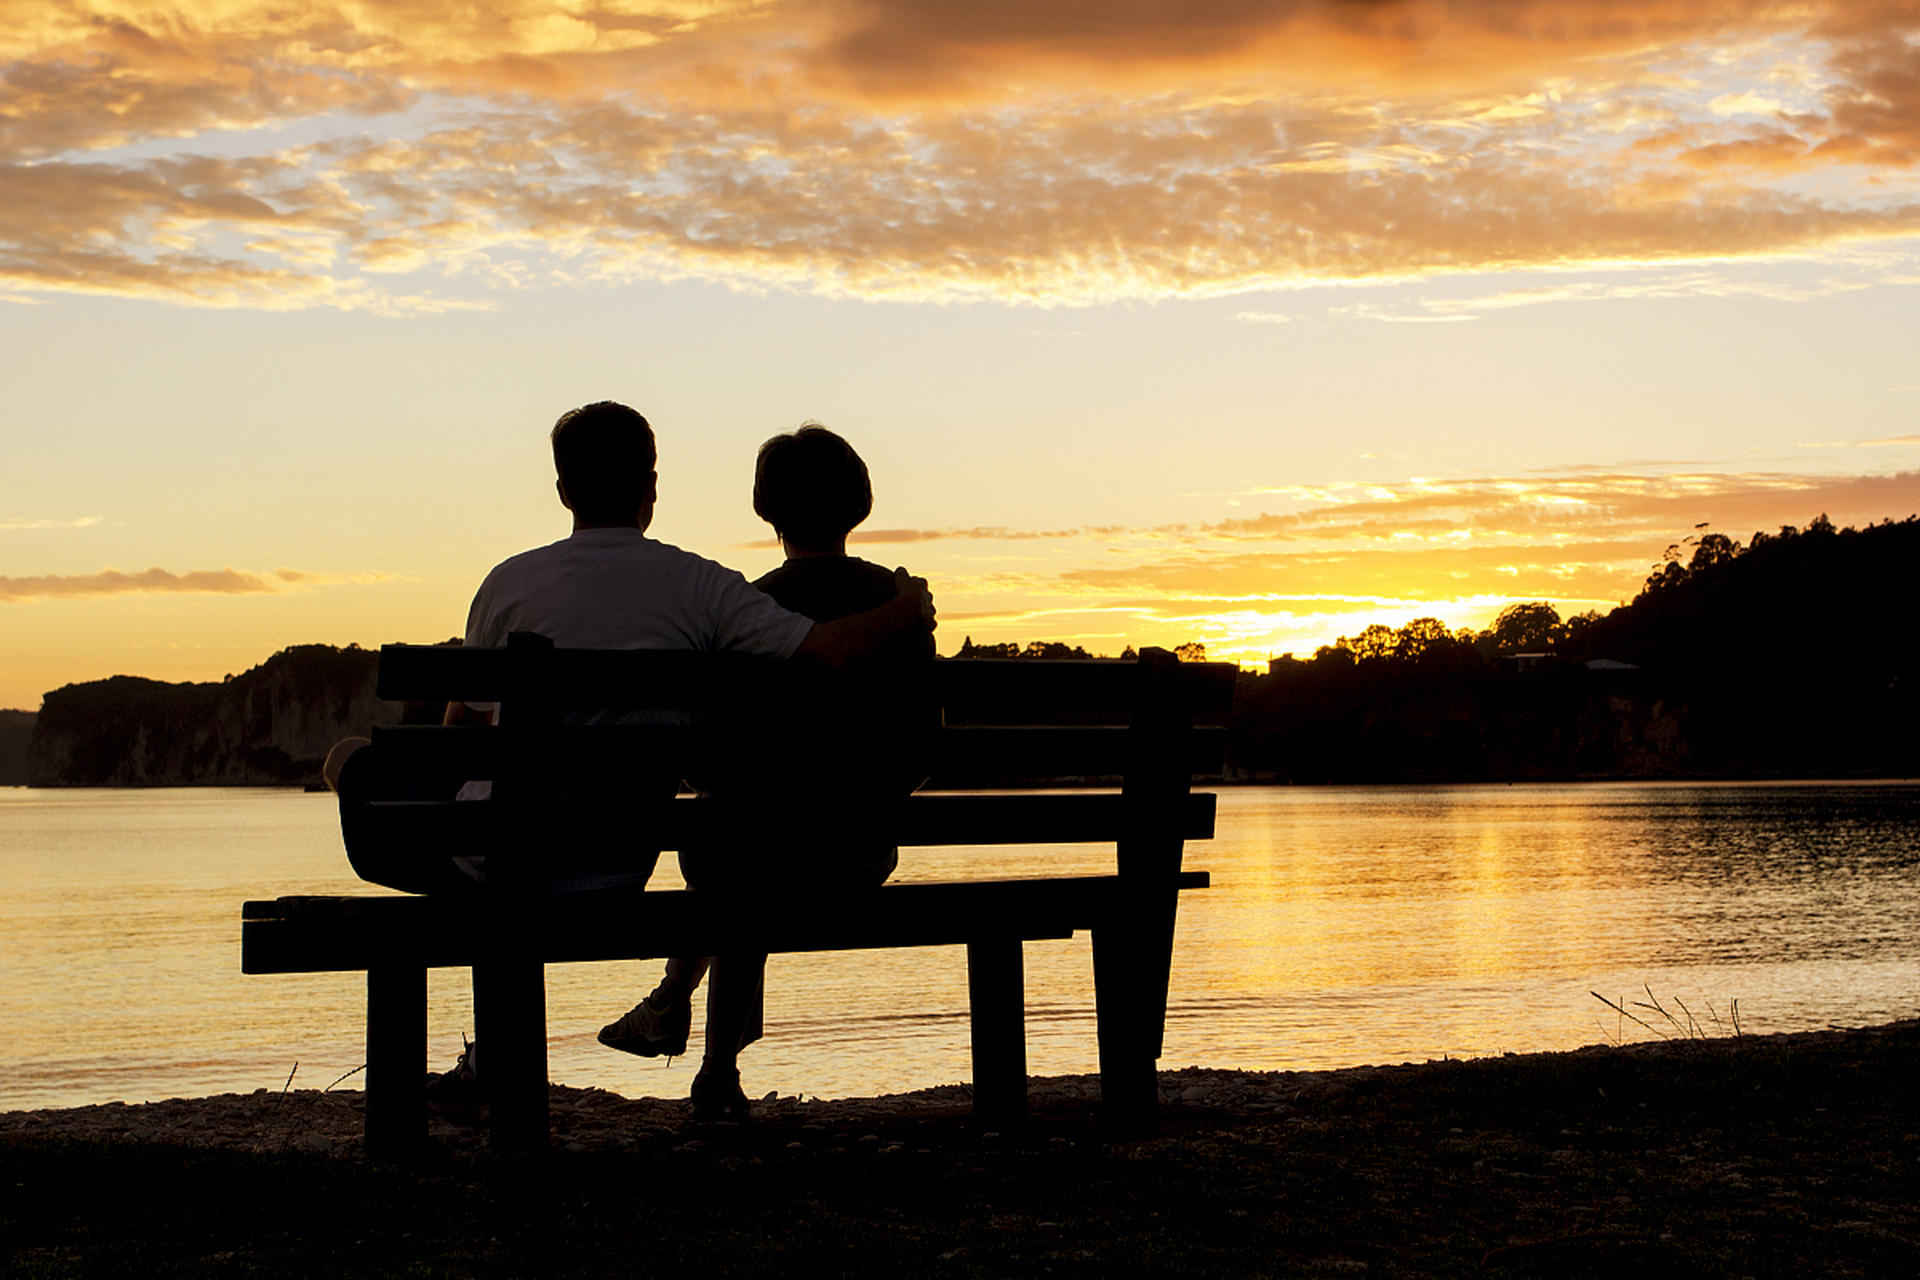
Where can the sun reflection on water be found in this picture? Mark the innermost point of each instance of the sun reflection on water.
(1345, 925)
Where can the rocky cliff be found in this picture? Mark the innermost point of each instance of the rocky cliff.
(271, 725)
(16, 730)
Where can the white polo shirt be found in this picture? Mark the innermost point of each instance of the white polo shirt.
(619, 589)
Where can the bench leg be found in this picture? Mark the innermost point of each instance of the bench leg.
(396, 1061)
(1125, 988)
(1156, 923)
(510, 1017)
(996, 997)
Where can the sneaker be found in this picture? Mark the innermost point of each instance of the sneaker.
(458, 1095)
(651, 1030)
(718, 1097)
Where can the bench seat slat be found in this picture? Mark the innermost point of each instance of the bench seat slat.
(323, 934)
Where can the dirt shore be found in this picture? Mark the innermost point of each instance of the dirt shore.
(1783, 1156)
(594, 1120)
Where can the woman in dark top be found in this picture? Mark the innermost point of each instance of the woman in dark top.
(844, 742)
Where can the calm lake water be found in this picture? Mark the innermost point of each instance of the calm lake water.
(1345, 926)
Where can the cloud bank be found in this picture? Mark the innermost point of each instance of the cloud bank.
(408, 158)
(223, 582)
(112, 582)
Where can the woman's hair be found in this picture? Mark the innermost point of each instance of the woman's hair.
(811, 487)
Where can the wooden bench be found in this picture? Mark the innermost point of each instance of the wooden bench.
(1124, 723)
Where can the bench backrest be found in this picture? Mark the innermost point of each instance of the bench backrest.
(1124, 724)
(1025, 721)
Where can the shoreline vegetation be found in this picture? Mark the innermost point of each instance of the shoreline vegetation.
(1780, 658)
(1779, 1155)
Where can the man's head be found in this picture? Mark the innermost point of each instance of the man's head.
(812, 488)
(604, 454)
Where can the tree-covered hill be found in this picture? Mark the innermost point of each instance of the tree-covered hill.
(1810, 600)
(1790, 656)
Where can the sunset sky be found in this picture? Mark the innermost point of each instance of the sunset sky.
(1246, 321)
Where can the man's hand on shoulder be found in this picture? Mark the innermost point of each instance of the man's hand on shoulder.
(849, 639)
(916, 591)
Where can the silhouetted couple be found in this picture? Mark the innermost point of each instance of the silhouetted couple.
(609, 586)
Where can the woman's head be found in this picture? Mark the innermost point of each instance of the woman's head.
(811, 487)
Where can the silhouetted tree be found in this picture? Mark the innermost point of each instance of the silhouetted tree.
(1191, 651)
(1375, 642)
(1420, 636)
(1525, 628)
(1032, 649)
(1713, 549)
(1053, 649)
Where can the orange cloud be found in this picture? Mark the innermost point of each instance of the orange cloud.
(21, 522)
(112, 582)
(224, 582)
(918, 46)
(880, 148)
(1580, 505)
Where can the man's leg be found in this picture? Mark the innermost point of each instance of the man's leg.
(353, 770)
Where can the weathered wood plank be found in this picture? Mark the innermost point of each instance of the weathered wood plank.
(343, 934)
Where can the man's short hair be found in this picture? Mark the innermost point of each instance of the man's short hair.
(605, 455)
(811, 487)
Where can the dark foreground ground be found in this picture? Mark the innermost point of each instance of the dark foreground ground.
(1774, 1156)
